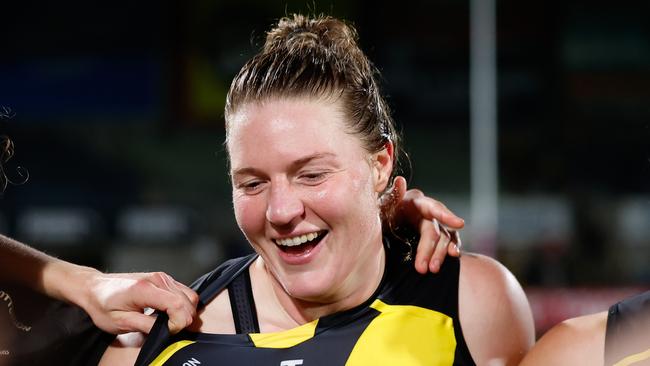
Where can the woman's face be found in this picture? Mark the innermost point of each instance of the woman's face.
(305, 194)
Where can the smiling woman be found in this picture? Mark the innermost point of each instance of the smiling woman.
(312, 151)
(319, 180)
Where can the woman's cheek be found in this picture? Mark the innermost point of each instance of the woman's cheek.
(326, 201)
(322, 194)
(336, 194)
(248, 212)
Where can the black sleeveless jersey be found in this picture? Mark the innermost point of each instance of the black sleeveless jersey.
(627, 340)
(412, 319)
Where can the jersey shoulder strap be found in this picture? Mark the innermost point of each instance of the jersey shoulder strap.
(627, 334)
(212, 283)
(207, 286)
(242, 304)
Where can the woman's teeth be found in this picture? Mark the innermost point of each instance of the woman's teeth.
(297, 240)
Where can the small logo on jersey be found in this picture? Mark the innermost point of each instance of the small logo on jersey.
(192, 362)
(291, 363)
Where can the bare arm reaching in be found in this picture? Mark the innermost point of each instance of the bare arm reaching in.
(115, 302)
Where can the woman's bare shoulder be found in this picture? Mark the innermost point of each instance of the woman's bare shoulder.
(485, 279)
(494, 313)
(215, 317)
(124, 350)
(576, 341)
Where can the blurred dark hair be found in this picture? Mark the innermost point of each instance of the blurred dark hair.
(6, 152)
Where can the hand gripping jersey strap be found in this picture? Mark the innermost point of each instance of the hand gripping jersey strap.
(207, 287)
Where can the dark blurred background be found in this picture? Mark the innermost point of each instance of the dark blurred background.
(119, 122)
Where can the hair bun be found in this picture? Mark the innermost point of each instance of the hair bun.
(318, 57)
(323, 33)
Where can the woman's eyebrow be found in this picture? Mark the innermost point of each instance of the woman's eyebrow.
(246, 171)
(296, 164)
(303, 161)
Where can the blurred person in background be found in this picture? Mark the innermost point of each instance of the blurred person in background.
(618, 337)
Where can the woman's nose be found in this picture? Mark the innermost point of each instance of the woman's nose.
(284, 205)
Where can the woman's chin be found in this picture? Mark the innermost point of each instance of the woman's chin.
(312, 287)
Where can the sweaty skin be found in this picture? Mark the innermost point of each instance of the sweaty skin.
(577, 341)
(277, 196)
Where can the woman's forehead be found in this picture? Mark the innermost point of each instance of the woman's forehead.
(327, 101)
(289, 128)
(282, 116)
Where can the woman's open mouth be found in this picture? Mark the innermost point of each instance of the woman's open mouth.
(302, 244)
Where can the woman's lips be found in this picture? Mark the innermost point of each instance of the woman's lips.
(299, 239)
(301, 253)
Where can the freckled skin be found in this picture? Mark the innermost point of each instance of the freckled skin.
(321, 194)
(265, 140)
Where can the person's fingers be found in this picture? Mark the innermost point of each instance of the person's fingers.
(413, 194)
(166, 282)
(431, 209)
(159, 291)
(453, 249)
(178, 318)
(130, 321)
(191, 294)
(441, 249)
(429, 236)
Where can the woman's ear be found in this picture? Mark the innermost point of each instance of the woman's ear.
(383, 166)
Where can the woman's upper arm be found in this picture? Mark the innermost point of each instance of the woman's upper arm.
(494, 313)
(577, 341)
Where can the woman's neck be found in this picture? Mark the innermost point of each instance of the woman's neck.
(280, 311)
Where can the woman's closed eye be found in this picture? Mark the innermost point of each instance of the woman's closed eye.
(313, 178)
(251, 186)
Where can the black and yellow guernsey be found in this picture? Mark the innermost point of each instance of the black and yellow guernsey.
(412, 319)
(627, 338)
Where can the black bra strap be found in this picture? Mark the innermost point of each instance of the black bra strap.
(242, 304)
